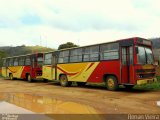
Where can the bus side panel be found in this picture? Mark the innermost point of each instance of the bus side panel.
(16, 71)
(79, 72)
(4, 71)
(26, 70)
(46, 72)
(105, 67)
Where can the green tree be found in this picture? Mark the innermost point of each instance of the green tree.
(67, 45)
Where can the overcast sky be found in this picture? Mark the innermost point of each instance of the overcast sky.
(53, 22)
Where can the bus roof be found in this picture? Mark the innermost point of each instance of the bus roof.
(22, 55)
(96, 44)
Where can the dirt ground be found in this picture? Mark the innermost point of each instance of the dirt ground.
(50, 97)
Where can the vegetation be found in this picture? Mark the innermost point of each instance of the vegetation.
(67, 45)
(20, 50)
(153, 86)
(156, 47)
(156, 43)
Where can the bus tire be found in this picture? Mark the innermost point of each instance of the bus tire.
(29, 79)
(11, 76)
(111, 83)
(81, 84)
(64, 81)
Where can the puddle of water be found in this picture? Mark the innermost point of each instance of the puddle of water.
(158, 103)
(48, 105)
(10, 108)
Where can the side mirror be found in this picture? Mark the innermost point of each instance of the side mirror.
(137, 51)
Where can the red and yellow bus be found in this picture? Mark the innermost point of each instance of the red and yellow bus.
(23, 67)
(123, 62)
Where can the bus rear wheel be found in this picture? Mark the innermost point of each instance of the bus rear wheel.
(29, 79)
(112, 83)
(64, 81)
(11, 77)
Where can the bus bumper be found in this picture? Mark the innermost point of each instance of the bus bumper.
(146, 81)
(39, 77)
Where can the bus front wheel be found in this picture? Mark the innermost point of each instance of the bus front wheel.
(112, 83)
(64, 81)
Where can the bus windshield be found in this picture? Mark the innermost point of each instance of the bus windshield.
(145, 55)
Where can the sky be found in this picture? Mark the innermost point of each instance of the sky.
(84, 22)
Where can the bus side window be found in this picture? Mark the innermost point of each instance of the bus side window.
(28, 60)
(86, 55)
(63, 57)
(94, 53)
(109, 51)
(124, 56)
(10, 62)
(47, 59)
(15, 63)
(91, 53)
(131, 55)
(4, 62)
(7, 62)
(21, 61)
(76, 55)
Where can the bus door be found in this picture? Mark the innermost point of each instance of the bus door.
(127, 64)
(54, 66)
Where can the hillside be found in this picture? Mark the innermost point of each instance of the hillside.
(156, 47)
(21, 50)
(156, 43)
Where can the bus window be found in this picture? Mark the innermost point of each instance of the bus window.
(145, 55)
(76, 55)
(21, 61)
(15, 63)
(27, 60)
(94, 51)
(131, 55)
(149, 56)
(47, 59)
(63, 57)
(86, 55)
(91, 53)
(109, 51)
(141, 55)
(40, 60)
(124, 56)
(4, 62)
(10, 62)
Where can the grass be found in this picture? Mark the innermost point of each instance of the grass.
(153, 86)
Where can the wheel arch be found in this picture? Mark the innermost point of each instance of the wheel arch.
(26, 74)
(61, 75)
(106, 75)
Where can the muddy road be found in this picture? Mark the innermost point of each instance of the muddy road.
(50, 97)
